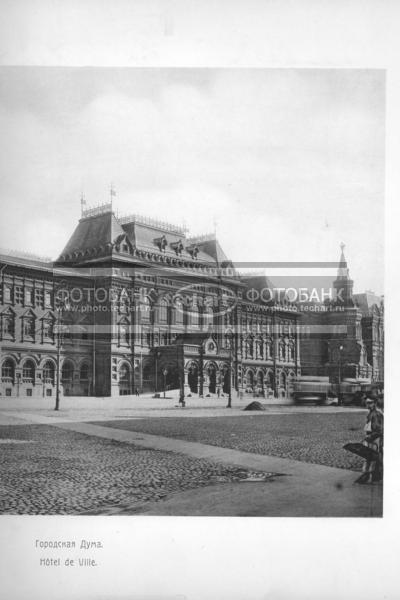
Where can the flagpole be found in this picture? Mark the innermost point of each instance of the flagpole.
(112, 194)
(83, 203)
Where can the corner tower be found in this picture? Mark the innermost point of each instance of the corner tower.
(343, 285)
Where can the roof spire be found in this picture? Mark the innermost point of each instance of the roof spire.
(343, 271)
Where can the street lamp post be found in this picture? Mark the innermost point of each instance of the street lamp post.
(201, 374)
(340, 374)
(59, 310)
(274, 343)
(58, 342)
(157, 356)
(141, 372)
(229, 405)
(165, 372)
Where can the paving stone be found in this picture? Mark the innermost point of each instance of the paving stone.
(65, 472)
(310, 437)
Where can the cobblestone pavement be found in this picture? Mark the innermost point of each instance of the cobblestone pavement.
(313, 437)
(63, 472)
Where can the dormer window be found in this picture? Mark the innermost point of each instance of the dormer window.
(8, 324)
(161, 242)
(48, 329)
(29, 327)
(193, 250)
(125, 248)
(178, 247)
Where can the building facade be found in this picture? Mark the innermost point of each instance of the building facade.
(343, 338)
(134, 304)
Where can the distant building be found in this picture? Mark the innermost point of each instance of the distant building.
(343, 338)
(135, 304)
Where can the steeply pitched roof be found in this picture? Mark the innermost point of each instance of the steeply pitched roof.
(143, 236)
(212, 248)
(93, 232)
(100, 233)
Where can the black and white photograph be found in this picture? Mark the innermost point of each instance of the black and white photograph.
(201, 340)
(194, 264)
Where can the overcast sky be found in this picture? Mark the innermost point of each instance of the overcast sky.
(288, 162)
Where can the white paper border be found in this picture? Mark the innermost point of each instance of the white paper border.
(221, 557)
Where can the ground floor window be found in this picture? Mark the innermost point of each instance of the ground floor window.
(29, 392)
(49, 373)
(49, 392)
(8, 391)
(84, 372)
(7, 369)
(28, 371)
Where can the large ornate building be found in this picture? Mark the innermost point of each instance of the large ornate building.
(134, 304)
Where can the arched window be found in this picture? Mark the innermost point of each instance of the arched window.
(193, 375)
(291, 352)
(208, 317)
(48, 372)
(147, 372)
(194, 316)
(145, 310)
(228, 339)
(250, 378)
(28, 370)
(67, 371)
(270, 379)
(164, 311)
(124, 372)
(260, 379)
(178, 312)
(282, 380)
(84, 372)
(8, 370)
(124, 333)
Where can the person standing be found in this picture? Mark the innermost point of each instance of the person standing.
(373, 469)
